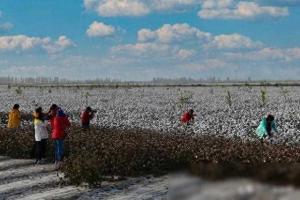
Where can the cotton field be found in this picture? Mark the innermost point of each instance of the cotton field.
(221, 111)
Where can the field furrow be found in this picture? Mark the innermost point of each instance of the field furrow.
(22, 179)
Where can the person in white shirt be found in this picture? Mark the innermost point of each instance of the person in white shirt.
(40, 134)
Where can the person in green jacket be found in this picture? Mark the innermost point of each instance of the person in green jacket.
(266, 126)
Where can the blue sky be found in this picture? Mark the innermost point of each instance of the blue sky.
(142, 39)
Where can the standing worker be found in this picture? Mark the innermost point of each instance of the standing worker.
(40, 134)
(59, 122)
(14, 117)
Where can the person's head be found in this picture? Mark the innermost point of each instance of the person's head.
(53, 109)
(16, 107)
(39, 113)
(88, 109)
(270, 118)
(39, 110)
(191, 111)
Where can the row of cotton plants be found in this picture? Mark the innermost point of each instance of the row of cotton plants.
(221, 111)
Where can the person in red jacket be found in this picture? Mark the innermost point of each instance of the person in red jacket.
(86, 116)
(59, 122)
(187, 117)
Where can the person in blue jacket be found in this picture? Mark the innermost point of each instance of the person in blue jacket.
(266, 126)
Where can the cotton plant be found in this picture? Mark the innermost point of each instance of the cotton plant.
(228, 98)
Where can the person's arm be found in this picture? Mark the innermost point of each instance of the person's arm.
(48, 125)
(67, 122)
(274, 126)
(19, 115)
(194, 115)
(9, 120)
(264, 122)
(92, 115)
(49, 114)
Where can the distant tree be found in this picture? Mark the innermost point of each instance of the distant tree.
(228, 98)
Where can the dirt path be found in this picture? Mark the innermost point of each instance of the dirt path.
(22, 179)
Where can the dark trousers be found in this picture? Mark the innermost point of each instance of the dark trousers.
(40, 149)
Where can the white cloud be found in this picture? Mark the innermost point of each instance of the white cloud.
(210, 9)
(229, 9)
(232, 41)
(280, 2)
(111, 8)
(62, 43)
(173, 33)
(185, 53)
(211, 4)
(89, 4)
(173, 41)
(143, 49)
(146, 35)
(153, 51)
(183, 42)
(23, 42)
(6, 26)
(99, 29)
(251, 9)
(171, 4)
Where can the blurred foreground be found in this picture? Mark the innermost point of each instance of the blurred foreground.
(21, 179)
(185, 187)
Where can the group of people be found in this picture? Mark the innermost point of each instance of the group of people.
(59, 123)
